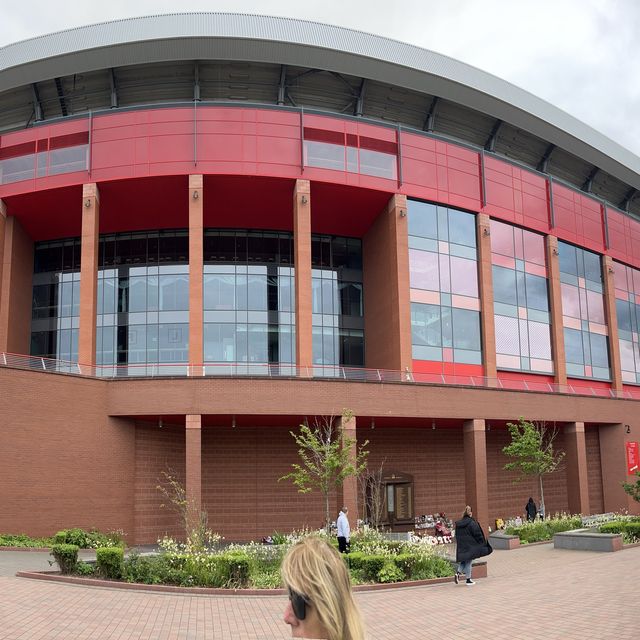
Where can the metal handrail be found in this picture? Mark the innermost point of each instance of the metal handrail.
(285, 370)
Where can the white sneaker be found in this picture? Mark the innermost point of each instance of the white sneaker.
(456, 578)
(470, 582)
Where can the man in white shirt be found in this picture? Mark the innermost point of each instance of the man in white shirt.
(344, 532)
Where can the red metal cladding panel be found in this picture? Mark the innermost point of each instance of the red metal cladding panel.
(516, 195)
(435, 170)
(578, 218)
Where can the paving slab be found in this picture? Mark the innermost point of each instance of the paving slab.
(531, 593)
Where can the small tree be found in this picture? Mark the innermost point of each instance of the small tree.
(633, 488)
(325, 458)
(532, 446)
(194, 520)
(372, 492)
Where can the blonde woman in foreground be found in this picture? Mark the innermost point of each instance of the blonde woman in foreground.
(321, 604)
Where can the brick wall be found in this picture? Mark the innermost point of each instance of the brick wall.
(594, 469)
(64, 462)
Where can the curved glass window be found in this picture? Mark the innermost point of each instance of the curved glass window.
(445, 307)
(55, 309)
(143, 303)
(249, 303)
(583, 318)
(627, 286)
(337, 304)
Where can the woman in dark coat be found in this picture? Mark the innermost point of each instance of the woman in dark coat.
(531, 510)
(470, 544)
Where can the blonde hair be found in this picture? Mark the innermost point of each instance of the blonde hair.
(315, 570)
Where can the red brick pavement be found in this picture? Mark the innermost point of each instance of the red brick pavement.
(532, 593)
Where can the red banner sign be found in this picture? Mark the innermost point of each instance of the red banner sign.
(633, 459)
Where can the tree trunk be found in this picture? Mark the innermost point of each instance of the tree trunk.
(542, 496)
(327, 518)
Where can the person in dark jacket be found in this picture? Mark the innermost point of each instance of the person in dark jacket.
(531, 510)
(470, 544)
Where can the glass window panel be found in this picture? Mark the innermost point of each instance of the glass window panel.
(539, 340)
(537, 297)
(595, 305)
(501, 238)
(592, 268)
(174, 293)
(573, 346)
(340, 253)
(599, 350)
(425, 325)
(138, 294)
(285, 294)
(258, 344)
(68, 159)
(507, 336)
(375, 163)
(16, 169)
(423, 220)
(534, 248)
(623, 313)
(464, 276)
(466, 329)
(462, 228)
(256, 292)
(567, 258)
(324, 155)
(504, 285)
(570, 300)
(424, 271)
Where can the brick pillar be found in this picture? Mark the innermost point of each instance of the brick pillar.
(16, 287)
(555, 308)
(475, 466)
(485, 274)
(3, 221)
(89, 274)
(193, 467)
(576, 460)
(614, 467)
(611, 318)
(348, 497)
(387, 302)
(302, 260)
(196, 277)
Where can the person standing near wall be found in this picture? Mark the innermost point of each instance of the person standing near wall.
(344, 531)
(470, 544)
(531, 510)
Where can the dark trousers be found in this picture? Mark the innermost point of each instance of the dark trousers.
(343, 545)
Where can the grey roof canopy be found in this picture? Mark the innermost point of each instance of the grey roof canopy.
(282, 41)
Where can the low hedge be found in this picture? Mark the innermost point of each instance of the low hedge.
(88, 539)
(542, 530)
(630, 529)
(23, 540)
(404, 566)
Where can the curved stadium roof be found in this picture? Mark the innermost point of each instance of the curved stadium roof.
(378, 77)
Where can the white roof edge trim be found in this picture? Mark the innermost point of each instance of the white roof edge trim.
(290, 41)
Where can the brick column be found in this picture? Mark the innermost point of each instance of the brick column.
(348, 497)
(196, 277)
(16, 288)
(577, 480)
(555, 308)
(611, 318)
(614, 467)
(302, 260)
(387, 302)
(193, 467)
(89, 274)
(485, 275)
(475, 467)
(3, 220)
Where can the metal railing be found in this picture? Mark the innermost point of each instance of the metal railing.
(283, 370)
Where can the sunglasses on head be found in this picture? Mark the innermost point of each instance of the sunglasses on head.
(299, 604)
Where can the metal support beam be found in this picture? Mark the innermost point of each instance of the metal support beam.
(588, 183)
(430, 121)
(114, 88)
(490, 144)
(196, 82)
(628, 199)
(61, 98)
(282, 86)
(543, 165)
(37, 105)
(360, 101)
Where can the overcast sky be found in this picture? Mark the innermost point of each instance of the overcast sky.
(581, 55)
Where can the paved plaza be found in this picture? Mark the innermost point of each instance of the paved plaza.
(531, 593)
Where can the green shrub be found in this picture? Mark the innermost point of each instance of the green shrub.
(542, 530)
(354, 559)
(151, 570)
(390, 572)
(405, 562)
(66, 555)
(109, 562)
(235, 568)
(266, 580)
(371, 565)
(84, 569)
(23, 540)
(630, 529)
(429, 567)
(89, 539)
(279, 538)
